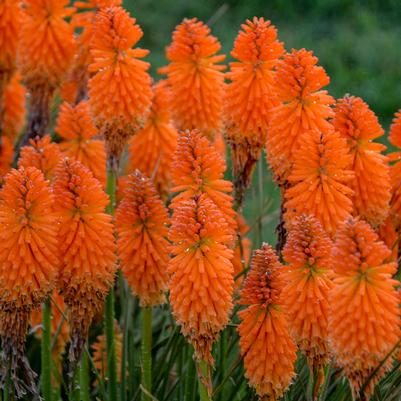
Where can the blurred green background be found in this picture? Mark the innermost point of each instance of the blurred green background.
(357, 41)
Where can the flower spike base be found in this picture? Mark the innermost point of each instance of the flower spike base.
(14, 366)
(39, 114)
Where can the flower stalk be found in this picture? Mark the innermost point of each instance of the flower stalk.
(203, 376)
(46, 352)
(84, 387)
(146, 349)
(109, 307)
(190, 381)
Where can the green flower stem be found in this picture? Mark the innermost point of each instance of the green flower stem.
(84, 379)
(146, 352)
(109, 307)
(127, 313)
(46, 380)
(7, 387)
(111, 185)
(203, 391)
(223, 357)
(190, 379)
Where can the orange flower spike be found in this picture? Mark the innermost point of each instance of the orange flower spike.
(388, 234)
(151, 149)
(396, 204)
(10, 19)
(302, 106)
(197, 169)
(359, 126)
(267, 348)
(395, 170)
(42, 154)
(29, 263)
(74, 88)
(220, 145)
(395, 139)
(320, 180)
(14, 108)
(364, 321)
(76, 128)
(195, 78)
(87, 11)
(395, 130)
(249, 96)
(202, 283)
(28, 251)
(10, 13)
(122, 182)
(141, 222)
(6, 156)
(308, 281)
(46, 50)
(100, 352)
(120, 91)
(47, 43)
(87, 247)
(357, 123)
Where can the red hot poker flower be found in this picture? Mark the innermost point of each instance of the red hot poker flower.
(10, 19)
(249, 97)
(302, 105)
(364, 321)
(45, 53)
(29, 263)
(197, 169)
(395, 170)
(308, 281)
(87, 248)
(42, 154)
(74, 88)
(321, 180)
(202, 282)
(14, 108)
(75, 126)
(195, 78)
(266, 345)
(372, 188)
(120, 92)
(6, 156)
(151, 149)
(141, 222)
